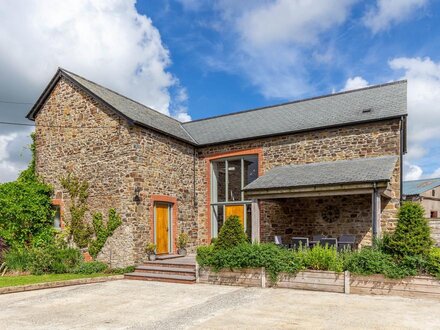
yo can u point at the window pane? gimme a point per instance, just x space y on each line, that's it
249 221
57 218
218 182
250 170
217 219
234 180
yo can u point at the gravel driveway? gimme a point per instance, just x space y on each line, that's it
148 305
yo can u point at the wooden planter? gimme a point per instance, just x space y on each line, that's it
326 281
418 286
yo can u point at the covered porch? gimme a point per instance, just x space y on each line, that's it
328 199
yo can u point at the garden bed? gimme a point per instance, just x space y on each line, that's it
12 284
326 281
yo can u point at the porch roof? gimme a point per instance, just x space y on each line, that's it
341 173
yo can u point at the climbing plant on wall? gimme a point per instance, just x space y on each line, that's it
79 230
83 234
103 231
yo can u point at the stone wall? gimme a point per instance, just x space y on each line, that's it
344 143
331 216
75 134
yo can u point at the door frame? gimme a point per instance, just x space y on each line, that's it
174 216
170 225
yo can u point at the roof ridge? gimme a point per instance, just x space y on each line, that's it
420 180
119 94
341 160
402 81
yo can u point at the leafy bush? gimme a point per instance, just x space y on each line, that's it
246 255
119 271
433 264
25 207
40 260
231 234
3 248
368 261
90 268
413 235
321 258
182 240
17 259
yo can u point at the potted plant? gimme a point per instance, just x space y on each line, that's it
150 249
182 242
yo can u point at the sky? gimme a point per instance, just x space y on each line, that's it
193 59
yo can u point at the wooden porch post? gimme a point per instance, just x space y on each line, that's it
255 220
376 213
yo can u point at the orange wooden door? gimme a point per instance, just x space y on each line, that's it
237 210
162 228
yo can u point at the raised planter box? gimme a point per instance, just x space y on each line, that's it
240 277
312 280
417 287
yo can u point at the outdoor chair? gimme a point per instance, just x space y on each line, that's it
300 242
346 242
315 240
330 242
279 242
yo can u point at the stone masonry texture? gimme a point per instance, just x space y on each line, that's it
77 134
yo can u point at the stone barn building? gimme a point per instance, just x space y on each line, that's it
329 165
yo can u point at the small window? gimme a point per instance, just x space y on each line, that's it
57 218
433 192
434 214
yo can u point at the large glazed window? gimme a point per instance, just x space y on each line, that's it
228 177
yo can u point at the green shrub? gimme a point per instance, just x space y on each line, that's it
433 262
413 235
41 260
17 259
368 261
231 234
25 207
247 255
321 258
51 259
119 271
91 268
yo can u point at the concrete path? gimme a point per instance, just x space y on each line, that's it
149 305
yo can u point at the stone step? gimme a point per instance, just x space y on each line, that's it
169 264
166 270
168 256
186 279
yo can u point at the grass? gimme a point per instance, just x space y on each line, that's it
6 281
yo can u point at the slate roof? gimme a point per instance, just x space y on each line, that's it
418 187
132 110
383 101
357 106
361 170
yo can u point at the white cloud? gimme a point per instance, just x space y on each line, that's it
423 75
13 154
423 96
275 40
413 172
355 83
435 174
388 12
106 41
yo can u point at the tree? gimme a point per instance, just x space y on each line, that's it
413 235
231 234
25 207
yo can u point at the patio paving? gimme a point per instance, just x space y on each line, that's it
149 305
